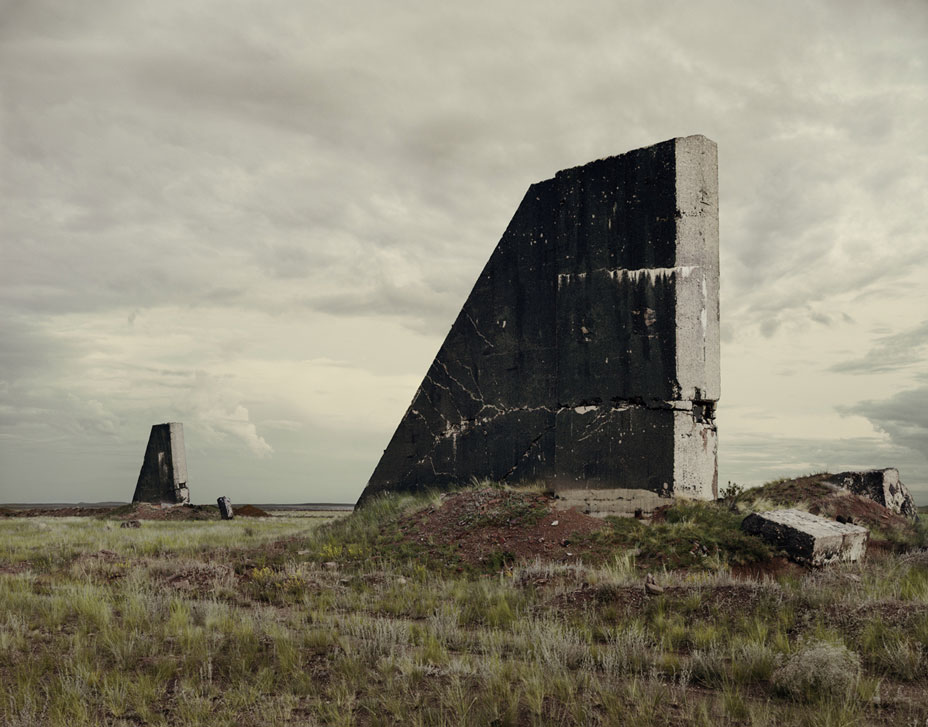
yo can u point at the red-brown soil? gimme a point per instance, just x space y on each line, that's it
831 501
482 524
136 511
55 512
146 511
250 511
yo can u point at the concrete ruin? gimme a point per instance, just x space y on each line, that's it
163 478
225 508
587 354
809 539
881 486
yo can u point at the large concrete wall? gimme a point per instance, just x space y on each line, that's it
587 354
163 477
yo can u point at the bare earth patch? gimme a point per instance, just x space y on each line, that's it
514 525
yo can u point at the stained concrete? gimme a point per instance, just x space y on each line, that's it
163 477
809 539
225 508
882 486
587 354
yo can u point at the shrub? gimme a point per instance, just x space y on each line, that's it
818 671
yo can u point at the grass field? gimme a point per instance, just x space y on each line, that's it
317 621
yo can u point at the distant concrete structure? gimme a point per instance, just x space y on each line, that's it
881 486
809 539
225 508
163 477
587 354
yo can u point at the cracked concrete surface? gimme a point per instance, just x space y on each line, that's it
586 355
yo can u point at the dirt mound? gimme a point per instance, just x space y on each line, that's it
494 527
830 501
859 510
250 511
147 511
56 512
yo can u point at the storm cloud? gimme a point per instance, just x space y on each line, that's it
203 206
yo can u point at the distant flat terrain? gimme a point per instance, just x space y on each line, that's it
315 506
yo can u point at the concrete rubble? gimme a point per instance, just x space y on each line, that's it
809 539
587 354
163 477
881 486
225 508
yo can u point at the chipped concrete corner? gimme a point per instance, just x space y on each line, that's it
882 486
587 354
163 477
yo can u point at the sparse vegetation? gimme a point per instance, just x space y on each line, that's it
812 493
366 620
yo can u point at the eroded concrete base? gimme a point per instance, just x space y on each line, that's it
606 502
809 539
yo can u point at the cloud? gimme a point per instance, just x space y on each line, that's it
891 353
904 417
211 406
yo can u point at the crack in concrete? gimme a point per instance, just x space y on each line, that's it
468 424
527 452
453 429
479 332
432 404
452 378
596 426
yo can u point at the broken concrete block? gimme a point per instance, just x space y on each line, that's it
587 354
881 486
807 538
225 508
163 477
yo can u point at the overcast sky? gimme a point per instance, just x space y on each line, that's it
261 218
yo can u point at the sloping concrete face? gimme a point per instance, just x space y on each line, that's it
163 477
587 354
881 486
807 538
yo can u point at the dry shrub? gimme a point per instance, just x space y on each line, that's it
818 670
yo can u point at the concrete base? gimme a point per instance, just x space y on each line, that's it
613 501
882 486
809 539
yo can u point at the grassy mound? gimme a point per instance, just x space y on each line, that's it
485 529
482 530
813 494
